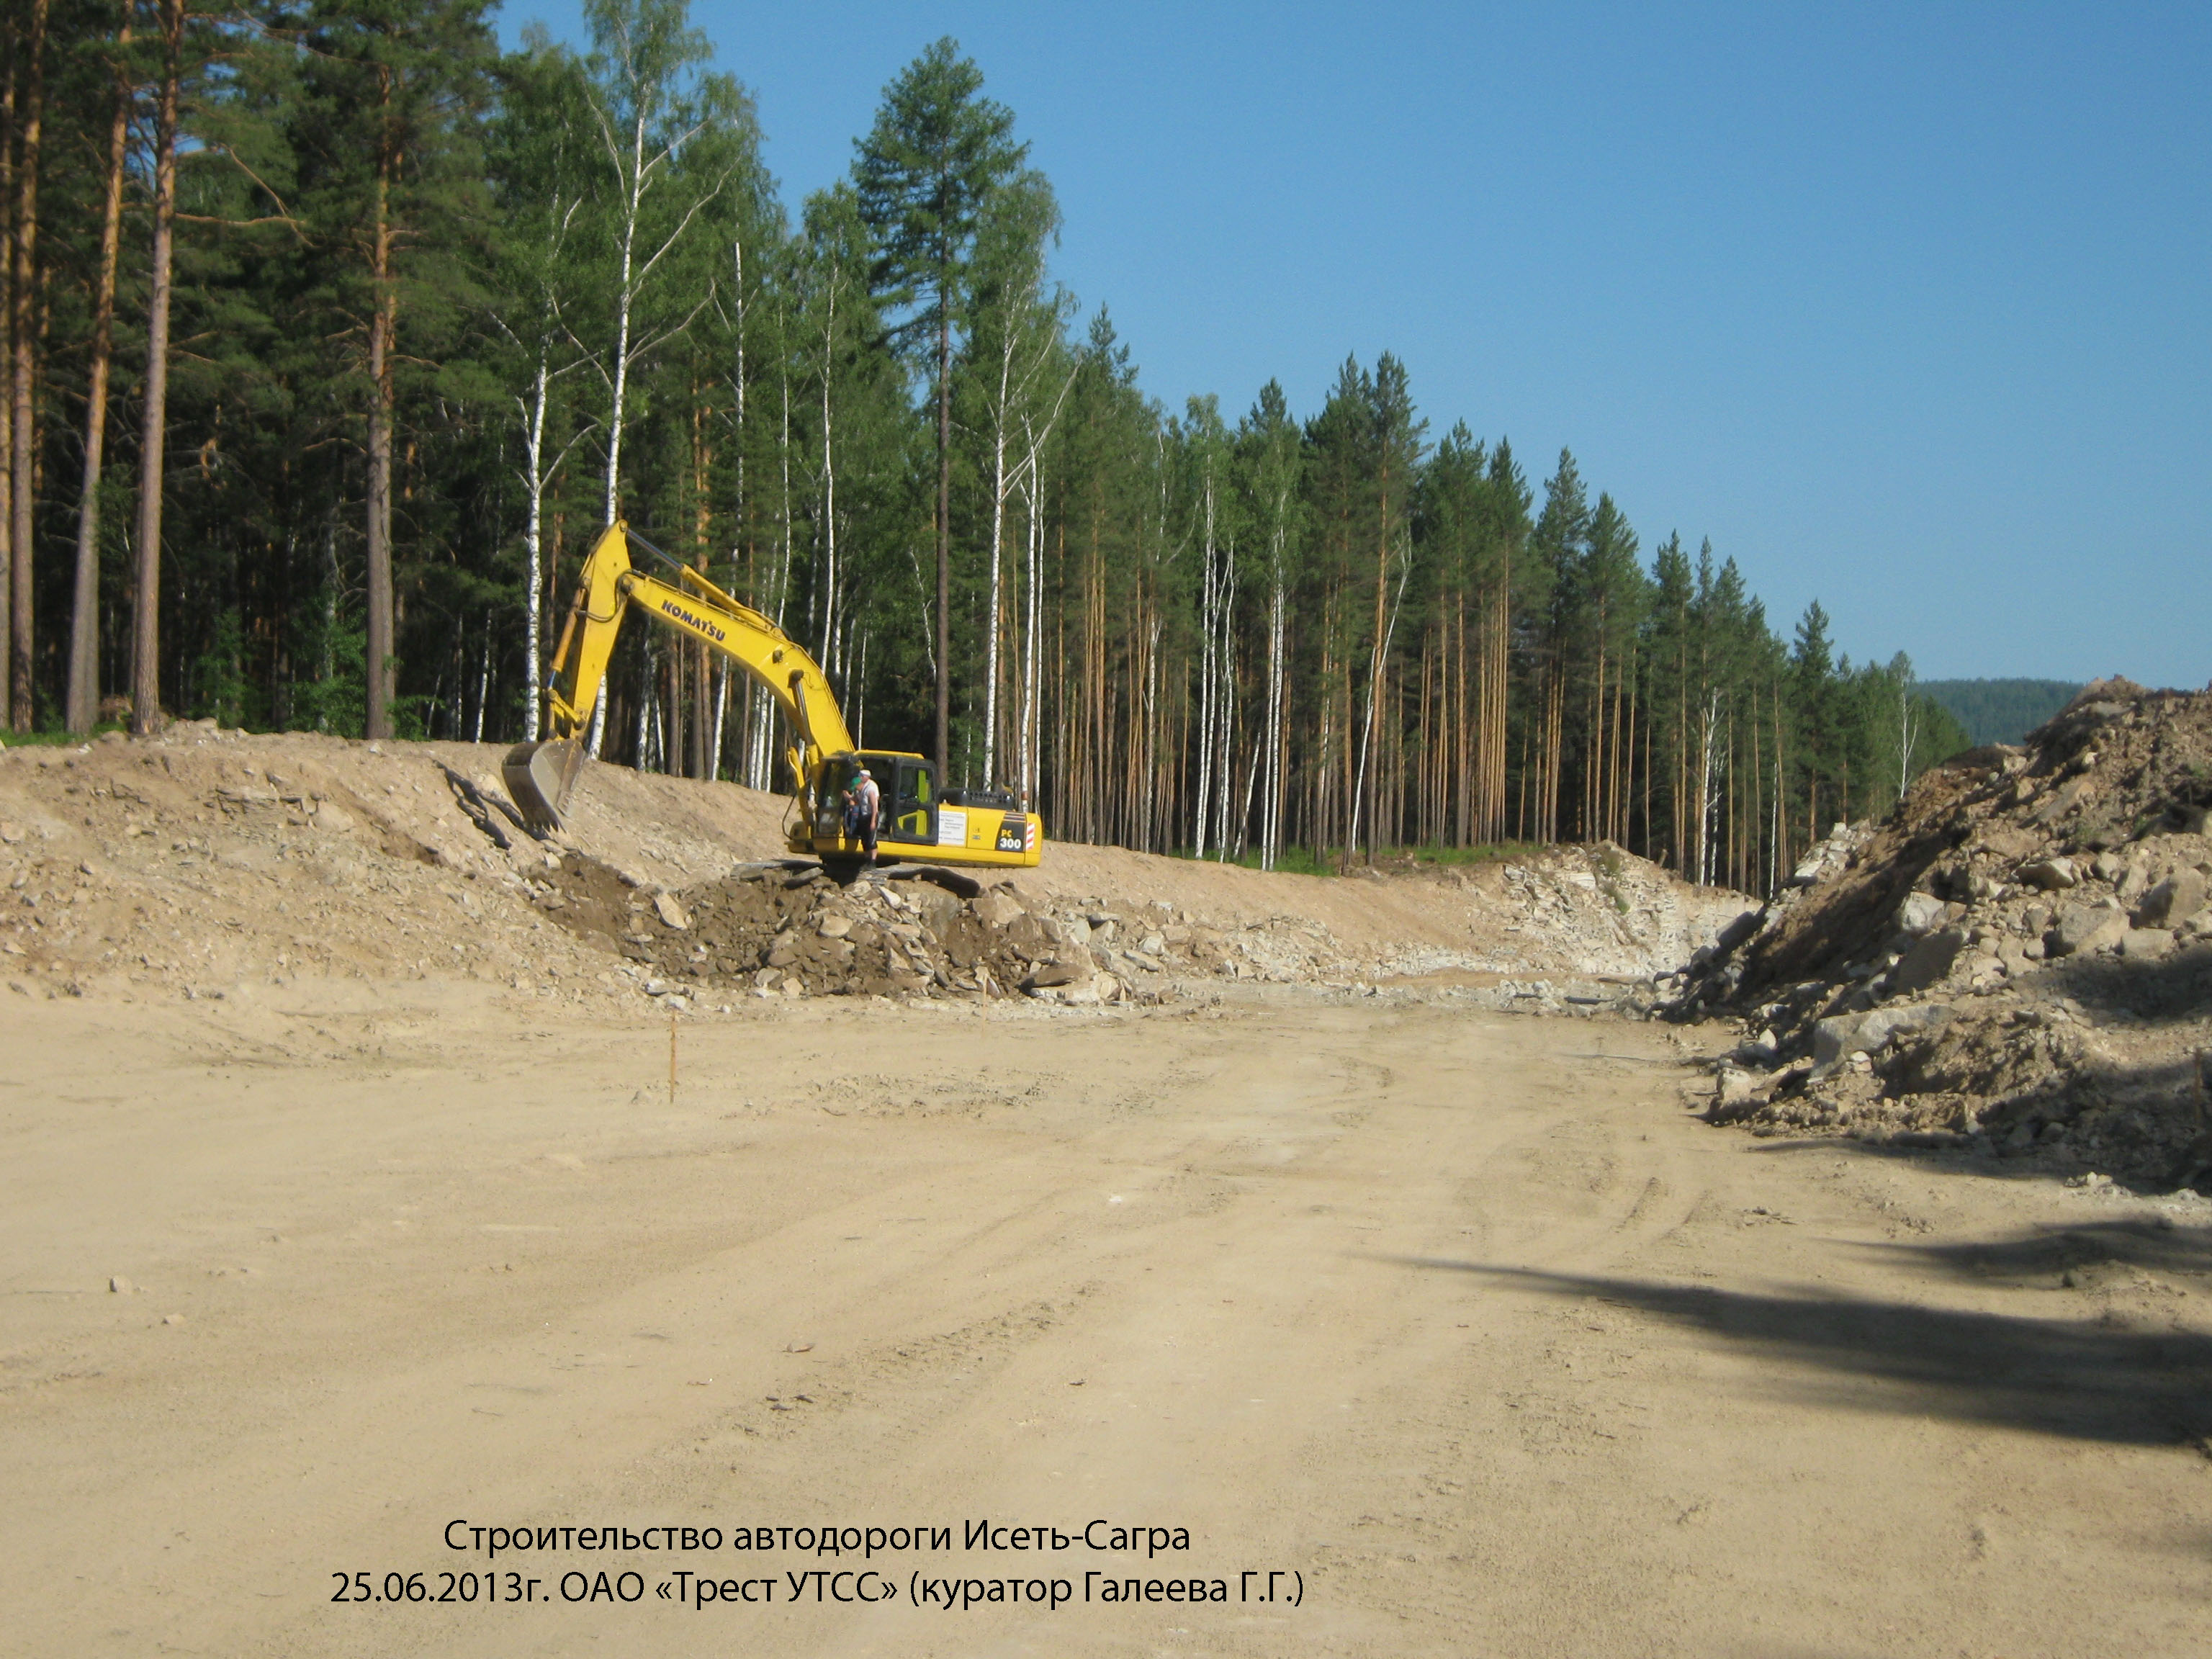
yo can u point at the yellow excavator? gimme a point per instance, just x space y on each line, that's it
917 822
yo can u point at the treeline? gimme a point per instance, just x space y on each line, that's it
333 335
2001 711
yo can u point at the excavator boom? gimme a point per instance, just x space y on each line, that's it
821 757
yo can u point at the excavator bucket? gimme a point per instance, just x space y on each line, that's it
539 776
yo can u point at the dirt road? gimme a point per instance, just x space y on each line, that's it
1459 1321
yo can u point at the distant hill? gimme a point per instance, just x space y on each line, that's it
2000 711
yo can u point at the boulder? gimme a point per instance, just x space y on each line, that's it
2086 927
2005 841
1046 976
834 926
1920 912
2173 901
1928 961
2061 801
671 913
1761 1051
2146 944
2051 875
998 908
1839 1037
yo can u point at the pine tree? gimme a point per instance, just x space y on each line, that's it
1559 544
1812 668
82 699
937 152
393 92
1269 467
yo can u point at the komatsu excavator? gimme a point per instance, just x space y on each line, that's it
917 822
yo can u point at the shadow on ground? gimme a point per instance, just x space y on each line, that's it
2144 1166
2082 1381
2049 1254
2176 987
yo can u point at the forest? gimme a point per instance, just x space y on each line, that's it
2001 711
334 333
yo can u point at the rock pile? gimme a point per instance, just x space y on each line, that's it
790 930
2019 960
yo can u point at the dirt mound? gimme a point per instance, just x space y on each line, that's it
789 930
2019 960
208 863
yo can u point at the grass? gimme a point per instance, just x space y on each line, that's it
57 738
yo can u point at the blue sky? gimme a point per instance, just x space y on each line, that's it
1906 308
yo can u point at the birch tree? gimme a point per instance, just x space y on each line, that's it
1270 476
648 100
542 188
1015 328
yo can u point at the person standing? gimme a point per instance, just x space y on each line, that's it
867 807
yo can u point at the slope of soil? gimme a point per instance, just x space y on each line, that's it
2019 961
208 863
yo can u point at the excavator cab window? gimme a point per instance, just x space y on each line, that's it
913 804
830 803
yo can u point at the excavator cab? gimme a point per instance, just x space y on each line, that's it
910 799
908 784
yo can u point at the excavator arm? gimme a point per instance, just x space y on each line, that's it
541 776
971 827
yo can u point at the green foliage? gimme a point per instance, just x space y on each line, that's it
1290 641
2000 711
335 699
222 691
937 154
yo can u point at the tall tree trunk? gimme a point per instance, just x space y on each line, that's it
146 602
23 369
828 587
998 435
1374 724
380 665
8 47
483 682
943 528
82 703
533 534
624 296
700 756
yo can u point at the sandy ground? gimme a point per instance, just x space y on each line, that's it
1457 1320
